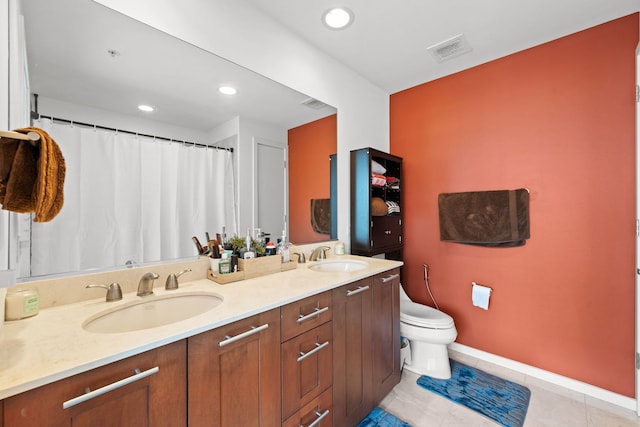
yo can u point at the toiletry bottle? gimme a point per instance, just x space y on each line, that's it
248 252
283 248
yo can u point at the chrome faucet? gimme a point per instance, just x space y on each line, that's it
319 253
145 287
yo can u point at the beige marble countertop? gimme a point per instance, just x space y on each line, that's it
53 345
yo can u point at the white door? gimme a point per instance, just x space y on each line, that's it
271 188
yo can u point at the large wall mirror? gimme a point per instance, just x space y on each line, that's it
197 154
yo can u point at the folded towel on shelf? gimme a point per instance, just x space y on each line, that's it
321 215
486 218
377 168
393 183
32 176
378 180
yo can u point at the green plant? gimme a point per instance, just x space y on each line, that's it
239 243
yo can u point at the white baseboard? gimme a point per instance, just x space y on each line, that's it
571 384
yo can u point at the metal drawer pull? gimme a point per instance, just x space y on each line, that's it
253 330
357 291
389 278
316 312
318 347
317 420
106 389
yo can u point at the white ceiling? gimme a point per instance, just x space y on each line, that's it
67 50
388 39
67 43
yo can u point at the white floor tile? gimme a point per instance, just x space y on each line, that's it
550 405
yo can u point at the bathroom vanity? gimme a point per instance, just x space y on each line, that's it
294 348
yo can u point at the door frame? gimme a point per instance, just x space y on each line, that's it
637 264
258 141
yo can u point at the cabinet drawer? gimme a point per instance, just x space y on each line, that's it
306 314
146 389
318 411
307 367
386 231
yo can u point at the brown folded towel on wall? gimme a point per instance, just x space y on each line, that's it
487 218
321 215
32 176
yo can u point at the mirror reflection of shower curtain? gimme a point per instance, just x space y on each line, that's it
131 198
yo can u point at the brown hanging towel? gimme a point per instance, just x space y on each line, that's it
321 215
32 176
486 218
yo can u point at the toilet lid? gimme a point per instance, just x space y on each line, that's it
425 316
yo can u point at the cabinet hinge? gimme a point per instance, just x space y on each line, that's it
637 361
637 93
372 243
637 227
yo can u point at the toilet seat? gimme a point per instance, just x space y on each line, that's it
424 316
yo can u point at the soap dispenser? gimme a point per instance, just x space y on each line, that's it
283 248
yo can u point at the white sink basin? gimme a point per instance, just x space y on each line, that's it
151 312
338 266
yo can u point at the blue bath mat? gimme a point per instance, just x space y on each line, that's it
500 400
378 417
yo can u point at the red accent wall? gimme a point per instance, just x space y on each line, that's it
310 146
558 119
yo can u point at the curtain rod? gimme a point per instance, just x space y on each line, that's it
162 138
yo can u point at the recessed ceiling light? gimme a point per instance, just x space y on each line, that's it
337 18
228 90
146 108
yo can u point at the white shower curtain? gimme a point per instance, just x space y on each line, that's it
131 199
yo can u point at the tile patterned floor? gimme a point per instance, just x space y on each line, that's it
550 405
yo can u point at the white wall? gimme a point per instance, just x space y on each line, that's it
98 116
238 32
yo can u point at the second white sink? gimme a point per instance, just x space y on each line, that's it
151 312
338 266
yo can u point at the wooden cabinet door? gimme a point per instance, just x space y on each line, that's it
153 394
306 368
234 374
386 233
386 332
352 353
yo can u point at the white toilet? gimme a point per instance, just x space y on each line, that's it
429 331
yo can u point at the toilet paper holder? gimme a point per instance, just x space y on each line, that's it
476 283
480 295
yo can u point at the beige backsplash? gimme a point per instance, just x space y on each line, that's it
72 289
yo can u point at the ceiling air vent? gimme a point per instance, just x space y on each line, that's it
449 49
314 104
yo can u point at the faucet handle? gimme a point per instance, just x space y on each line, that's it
114 291
323 252
172 280
301 258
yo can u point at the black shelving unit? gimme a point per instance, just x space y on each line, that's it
375 234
